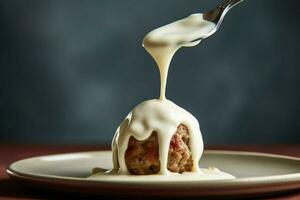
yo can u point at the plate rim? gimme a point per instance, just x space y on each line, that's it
240 186
262 179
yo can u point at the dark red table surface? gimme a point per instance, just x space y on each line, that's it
12 152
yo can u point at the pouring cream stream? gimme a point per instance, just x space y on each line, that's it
162 43
162 115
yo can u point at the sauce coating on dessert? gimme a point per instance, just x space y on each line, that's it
161 115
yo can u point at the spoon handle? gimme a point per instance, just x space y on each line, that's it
229 4
217 14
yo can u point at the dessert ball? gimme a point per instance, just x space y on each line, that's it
142 157
157 136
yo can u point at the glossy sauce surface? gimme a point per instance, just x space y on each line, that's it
162 115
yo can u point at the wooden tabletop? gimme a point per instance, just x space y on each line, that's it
12 152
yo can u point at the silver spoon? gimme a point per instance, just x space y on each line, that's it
216 16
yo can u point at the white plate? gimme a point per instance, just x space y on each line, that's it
257 174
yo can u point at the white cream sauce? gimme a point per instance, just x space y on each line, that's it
203 175
162 115
163 42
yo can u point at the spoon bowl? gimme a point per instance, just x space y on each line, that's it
216 16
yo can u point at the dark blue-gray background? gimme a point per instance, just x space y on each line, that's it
70 71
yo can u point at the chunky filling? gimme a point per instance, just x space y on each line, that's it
142 157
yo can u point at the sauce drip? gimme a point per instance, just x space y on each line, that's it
162 115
